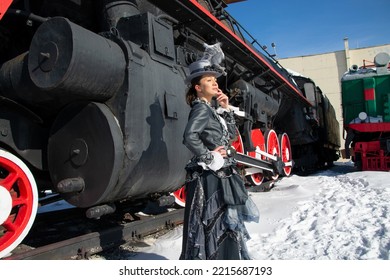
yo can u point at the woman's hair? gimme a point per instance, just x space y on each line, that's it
191 94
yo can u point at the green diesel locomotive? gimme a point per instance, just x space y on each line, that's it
366 114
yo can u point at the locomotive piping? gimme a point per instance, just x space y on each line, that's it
28 15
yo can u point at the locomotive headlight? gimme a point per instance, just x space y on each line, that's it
362 116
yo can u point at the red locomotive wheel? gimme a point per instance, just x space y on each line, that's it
237 143
180 196
18 202
273 146
285 149
258 141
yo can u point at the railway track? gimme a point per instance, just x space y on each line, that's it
92 237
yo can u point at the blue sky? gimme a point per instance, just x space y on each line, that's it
304 27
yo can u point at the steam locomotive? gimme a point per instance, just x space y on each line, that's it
93 106
366 114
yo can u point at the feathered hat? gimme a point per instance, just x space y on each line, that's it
208 64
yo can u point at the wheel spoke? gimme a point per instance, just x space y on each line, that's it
9 226
19 201
237 143
259 144
273 146
9 181
285 148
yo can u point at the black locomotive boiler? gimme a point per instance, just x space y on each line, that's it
93 108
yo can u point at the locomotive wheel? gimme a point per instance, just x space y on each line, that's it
180 196
272 146
18 202
237 143
258 141
285 150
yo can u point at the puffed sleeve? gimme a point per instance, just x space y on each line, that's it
197 122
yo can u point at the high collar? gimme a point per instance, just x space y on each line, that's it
202 100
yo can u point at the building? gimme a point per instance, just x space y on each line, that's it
327 69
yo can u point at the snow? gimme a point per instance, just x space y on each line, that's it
337 214
308 225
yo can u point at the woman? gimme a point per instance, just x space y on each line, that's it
217 203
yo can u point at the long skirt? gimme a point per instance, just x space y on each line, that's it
212 228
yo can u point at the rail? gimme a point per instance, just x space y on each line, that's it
82 247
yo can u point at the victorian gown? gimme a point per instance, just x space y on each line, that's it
217 203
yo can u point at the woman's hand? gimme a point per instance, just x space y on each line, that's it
222 99
221 150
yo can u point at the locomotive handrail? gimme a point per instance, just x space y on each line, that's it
259 58
225 15
239 47
28 15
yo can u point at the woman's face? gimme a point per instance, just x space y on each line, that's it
208 87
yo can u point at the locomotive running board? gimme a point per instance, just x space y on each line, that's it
254 162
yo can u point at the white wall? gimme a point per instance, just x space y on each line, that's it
327 69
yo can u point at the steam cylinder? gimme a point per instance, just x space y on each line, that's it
15 82
65 57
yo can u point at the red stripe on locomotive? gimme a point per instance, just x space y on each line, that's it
4 5
369 94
